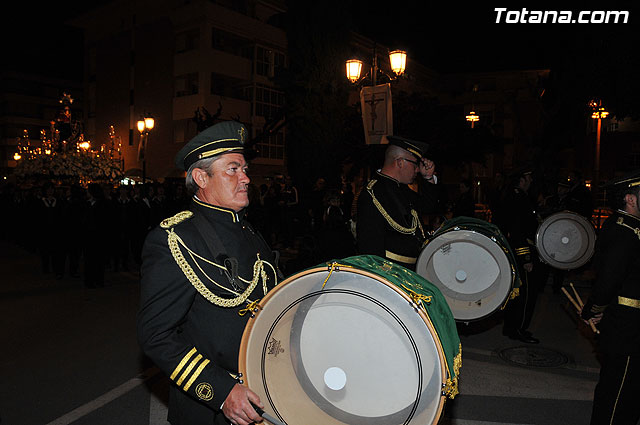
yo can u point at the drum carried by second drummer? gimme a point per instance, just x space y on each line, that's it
472 264
357 341
566 240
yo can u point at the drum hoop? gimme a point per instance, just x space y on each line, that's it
444 371
586 225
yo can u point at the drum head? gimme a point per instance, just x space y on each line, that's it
355 352
565 240
472 271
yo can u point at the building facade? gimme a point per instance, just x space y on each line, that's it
174 60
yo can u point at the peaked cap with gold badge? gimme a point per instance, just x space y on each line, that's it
220 138
628 181
416 148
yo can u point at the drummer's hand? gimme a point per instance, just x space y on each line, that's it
237 406
594 319
427 168
528 267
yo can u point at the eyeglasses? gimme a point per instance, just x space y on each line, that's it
408 160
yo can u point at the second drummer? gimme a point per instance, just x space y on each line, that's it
388 217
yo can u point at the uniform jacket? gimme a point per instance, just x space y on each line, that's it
519 224
617 264
192 340
375 234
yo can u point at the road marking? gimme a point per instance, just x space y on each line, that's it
157 405
105 398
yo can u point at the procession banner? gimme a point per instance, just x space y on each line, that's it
377 114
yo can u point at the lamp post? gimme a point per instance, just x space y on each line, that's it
473 117
377 94
145 125
598 113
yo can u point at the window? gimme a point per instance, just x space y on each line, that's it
184 130
231 43
268 102
187 40
186 85
272 147
268 61
226 86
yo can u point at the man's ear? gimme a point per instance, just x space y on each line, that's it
631 200
200 177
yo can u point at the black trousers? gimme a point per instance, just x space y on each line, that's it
519 311
615 398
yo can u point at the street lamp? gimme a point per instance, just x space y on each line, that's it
145 125
598 113
397 61
472 117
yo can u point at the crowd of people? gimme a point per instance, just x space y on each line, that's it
83 232
102 227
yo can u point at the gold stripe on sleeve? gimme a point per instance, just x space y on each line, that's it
183 362
629 302
196 374
186 372
397 257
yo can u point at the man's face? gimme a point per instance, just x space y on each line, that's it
525 182
226 183
409 167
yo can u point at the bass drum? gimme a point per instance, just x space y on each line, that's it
359 341
565 240
472 264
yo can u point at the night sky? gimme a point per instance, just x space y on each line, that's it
451 36
444 35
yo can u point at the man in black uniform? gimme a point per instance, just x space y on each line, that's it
519 225
388 216
615 299
201 271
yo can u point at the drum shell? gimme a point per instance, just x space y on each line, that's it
302 401
565 240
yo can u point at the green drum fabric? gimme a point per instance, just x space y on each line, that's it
428 296
482 227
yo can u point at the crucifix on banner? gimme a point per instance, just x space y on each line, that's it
377 113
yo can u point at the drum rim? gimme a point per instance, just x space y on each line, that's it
589 230
446 290
242 356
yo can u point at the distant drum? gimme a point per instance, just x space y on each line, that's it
565 240
471 263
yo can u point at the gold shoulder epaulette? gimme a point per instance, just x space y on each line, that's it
371 183
170 222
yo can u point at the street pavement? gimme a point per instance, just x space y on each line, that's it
69 356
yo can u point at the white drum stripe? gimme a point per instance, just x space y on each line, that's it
108 397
